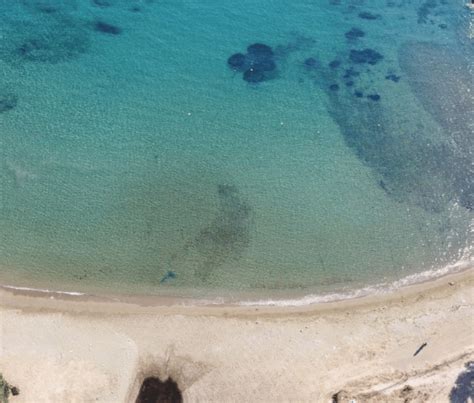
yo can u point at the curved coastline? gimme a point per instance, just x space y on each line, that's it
425 278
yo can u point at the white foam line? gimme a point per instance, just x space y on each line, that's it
381 288
43 290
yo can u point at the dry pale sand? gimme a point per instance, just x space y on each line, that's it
71 350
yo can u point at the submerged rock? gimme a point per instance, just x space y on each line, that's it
101 3
237 62
366 15
258 61
367 55
392 77
106 28
7 102
260 51
47 8
374 97
335 64
310 63
350 72
265 65
254 75
354 33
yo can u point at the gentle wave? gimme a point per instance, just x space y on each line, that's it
43 290
378 289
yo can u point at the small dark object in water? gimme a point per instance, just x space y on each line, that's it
225 190
369 56
358 94
7 102
335 64
365 15
237 62
334 87
350 83
383 185
254 76
311 63
392 77
135 9
374 97
350 73
47 9
101 3
463 389
260 51
420 348
354 33
170 275
106 28
29 46
155 391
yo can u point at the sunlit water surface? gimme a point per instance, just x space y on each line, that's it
136 159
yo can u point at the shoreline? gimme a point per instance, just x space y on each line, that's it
31 299
96 349
280 301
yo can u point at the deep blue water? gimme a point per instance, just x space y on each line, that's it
198 148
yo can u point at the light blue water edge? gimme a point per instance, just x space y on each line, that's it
222 149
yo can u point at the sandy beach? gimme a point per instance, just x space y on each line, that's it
58 349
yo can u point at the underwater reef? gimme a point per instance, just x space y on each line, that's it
447 97
46 40
8 101
257 64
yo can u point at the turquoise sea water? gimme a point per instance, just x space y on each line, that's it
135 159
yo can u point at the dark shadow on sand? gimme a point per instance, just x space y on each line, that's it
155 391
463 389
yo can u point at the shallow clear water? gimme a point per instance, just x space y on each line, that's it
135 159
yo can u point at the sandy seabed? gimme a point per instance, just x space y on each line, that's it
73 349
